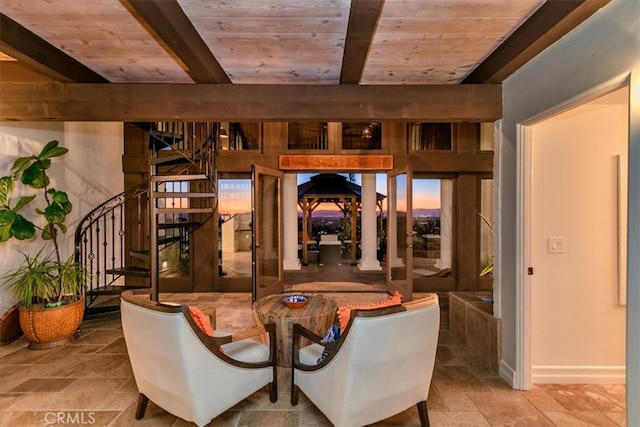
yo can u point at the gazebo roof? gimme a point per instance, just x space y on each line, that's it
330 187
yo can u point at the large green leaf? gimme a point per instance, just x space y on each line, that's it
47 232
55 213
47 148
22 228
6 221
59 196
24 201
34 177
21 163
67 207
54 152
6 188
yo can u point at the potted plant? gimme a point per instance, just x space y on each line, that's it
49 288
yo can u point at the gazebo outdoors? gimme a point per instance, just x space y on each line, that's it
336 189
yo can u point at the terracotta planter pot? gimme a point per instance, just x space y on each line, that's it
51 327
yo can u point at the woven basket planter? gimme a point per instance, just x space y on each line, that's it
51 327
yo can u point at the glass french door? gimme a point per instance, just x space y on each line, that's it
267 232
400 232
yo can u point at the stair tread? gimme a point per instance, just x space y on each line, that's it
162 136
168 159
129 271
172 225
167 240
114 289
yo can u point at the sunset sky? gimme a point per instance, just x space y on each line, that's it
235 194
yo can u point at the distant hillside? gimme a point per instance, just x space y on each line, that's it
426 213
417 213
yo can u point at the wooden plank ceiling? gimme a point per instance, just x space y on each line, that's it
283 42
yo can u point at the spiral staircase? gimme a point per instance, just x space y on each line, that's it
144 235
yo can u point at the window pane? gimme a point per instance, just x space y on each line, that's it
307 136
173 231
361 136
432 227
430 136
234 233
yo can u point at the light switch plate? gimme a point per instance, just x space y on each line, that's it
557 245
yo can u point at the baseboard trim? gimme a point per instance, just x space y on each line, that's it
579 374
508 374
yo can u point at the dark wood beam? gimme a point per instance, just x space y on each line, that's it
167 19
271 103
547 25
363 19
28 48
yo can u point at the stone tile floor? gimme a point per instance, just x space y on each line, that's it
90 382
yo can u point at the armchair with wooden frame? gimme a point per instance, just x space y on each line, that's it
186 372
381 364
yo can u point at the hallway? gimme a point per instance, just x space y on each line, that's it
92 377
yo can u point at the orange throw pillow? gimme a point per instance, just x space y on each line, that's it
344 313
201 320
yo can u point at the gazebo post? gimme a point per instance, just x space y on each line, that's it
304 207
353 209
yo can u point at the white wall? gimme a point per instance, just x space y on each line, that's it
577 326
602 48
90 173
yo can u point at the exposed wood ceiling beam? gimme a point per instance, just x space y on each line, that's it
548 24
170 23
23 45
150 102
363 19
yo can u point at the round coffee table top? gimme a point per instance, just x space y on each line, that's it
272 307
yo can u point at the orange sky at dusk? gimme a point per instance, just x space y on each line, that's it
235 194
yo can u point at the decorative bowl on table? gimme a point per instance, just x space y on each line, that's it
295 301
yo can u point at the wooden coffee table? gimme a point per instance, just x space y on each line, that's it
317 315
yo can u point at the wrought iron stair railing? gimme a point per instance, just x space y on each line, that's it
119 241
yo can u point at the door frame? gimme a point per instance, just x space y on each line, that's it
278 285
522 377
407 290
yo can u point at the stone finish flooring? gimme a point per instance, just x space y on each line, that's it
90 382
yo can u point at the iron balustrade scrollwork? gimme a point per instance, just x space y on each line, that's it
104 236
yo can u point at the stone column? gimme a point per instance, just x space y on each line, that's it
392 228
368 224
290 221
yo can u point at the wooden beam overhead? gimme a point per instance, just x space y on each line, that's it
363 19
274 103
25 46
167 19
549 23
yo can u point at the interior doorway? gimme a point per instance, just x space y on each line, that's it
574 244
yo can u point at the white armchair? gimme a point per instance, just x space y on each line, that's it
186 372
380 366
